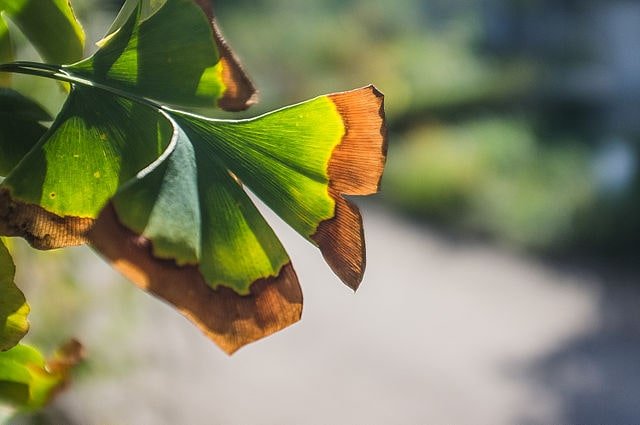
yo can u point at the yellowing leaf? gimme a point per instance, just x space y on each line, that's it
28 381
13 306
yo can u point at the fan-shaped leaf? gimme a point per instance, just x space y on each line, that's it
152 55
154 189
301 159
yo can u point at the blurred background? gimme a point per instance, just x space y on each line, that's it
502 282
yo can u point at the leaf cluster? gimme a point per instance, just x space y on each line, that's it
159 191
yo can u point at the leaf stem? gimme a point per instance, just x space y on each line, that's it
57 72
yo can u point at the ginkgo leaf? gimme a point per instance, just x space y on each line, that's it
13 306
155 190
50 25
28 381
301 159
153 56
65 180
185 222
229 319
184 204
185 231
20 127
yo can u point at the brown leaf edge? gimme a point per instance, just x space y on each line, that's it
68 356
229 319
42 229
355 168
240 92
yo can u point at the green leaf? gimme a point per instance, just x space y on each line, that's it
105 145
183 69
239 92
50 25
20 127
155 190
183 226
301 159
194 212
13 306
28 381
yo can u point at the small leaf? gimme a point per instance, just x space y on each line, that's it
183 69
50 25
28 382
20 127
13 306
240 92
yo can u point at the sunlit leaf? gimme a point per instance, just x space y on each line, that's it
229 319
185 204
168 54
28 381
183 225
50 25
301 159
239 92
13 306
187 232
157 190
104 146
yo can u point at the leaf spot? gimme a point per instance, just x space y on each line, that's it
96 174
52 195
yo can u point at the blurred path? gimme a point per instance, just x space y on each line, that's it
440 332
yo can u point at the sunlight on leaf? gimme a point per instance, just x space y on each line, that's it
301 159
158 191
50 25
28 381
13 306
184 69
239 92
105 146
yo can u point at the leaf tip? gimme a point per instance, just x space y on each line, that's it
355 168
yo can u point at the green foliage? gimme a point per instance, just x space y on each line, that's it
24 380
493 177
157 190
28 380
50 25
13 306
20 127
183 69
